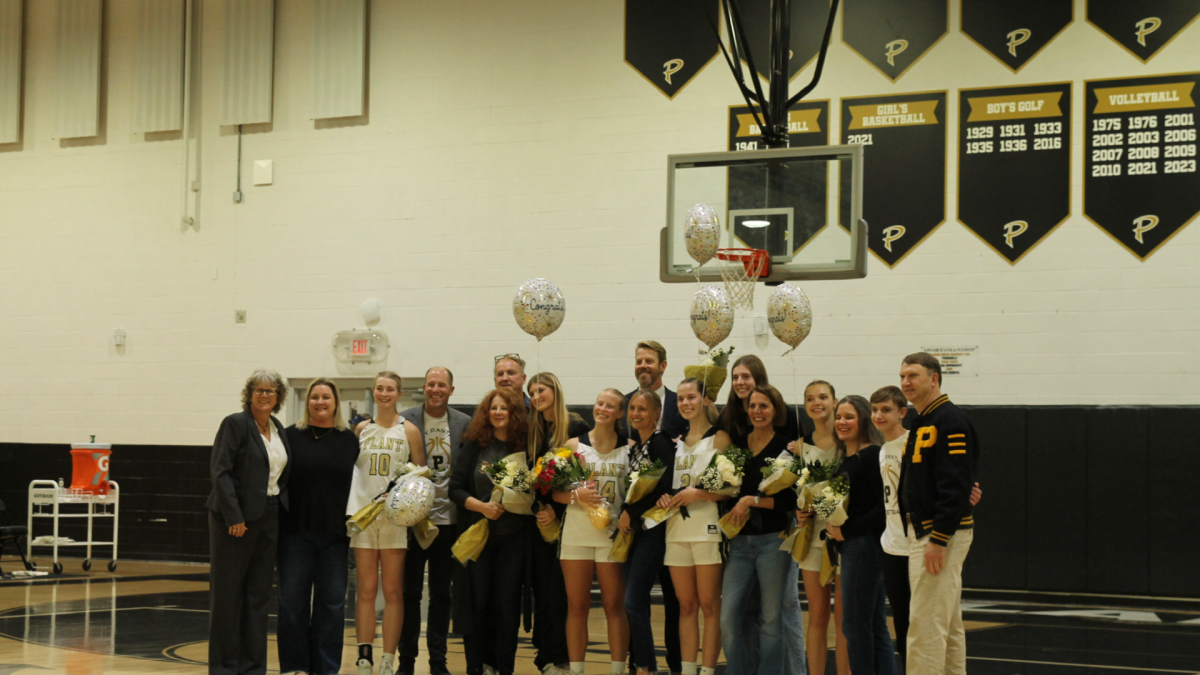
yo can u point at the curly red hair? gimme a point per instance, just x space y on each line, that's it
481 431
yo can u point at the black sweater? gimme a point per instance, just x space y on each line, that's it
663 449
865 510
322 467
766 521
468 480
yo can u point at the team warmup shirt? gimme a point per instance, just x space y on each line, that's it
438 457
701 523
380 451
609 471
893 539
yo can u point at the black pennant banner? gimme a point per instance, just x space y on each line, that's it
1142 27
1014 31
670 41
892 34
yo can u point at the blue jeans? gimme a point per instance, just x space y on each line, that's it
864 617
644 566
312 601
756 561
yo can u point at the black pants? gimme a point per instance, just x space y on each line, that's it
497 580
437 623
549 604
895 583
644 566
241 571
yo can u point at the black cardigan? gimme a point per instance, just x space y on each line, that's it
866 512
662 449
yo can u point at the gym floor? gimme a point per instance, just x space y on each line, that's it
153 617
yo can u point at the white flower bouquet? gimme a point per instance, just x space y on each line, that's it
643 481
781 473
513 484
833 500
724 473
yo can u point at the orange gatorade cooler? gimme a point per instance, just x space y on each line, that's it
91 467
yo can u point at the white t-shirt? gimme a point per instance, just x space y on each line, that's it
814 454
380 450
276 459
893 539
701 523
438 454
609 471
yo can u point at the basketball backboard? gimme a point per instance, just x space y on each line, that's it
784 201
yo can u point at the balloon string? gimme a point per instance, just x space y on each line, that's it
797 396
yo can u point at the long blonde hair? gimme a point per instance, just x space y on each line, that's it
556 433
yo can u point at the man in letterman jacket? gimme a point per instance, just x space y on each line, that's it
937 472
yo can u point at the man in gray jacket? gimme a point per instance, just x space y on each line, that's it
441 431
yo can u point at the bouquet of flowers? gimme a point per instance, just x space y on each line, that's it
564 471
724 473
783 472
813 478
642 482
711 369
830 505
512 482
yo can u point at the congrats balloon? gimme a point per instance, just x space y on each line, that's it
712 315
410 501
703 233
789 315
539 307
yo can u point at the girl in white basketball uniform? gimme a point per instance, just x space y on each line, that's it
585 548
819 403
694 542
384 443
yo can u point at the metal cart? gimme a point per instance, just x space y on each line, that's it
47 499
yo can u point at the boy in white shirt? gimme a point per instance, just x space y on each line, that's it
889 407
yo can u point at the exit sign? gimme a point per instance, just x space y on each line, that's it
360 348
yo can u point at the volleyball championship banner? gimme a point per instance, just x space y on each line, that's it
1140 183
1014 164
892 35
904 168
805 185
1014 31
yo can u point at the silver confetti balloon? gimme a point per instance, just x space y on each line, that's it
539 307
703 233
789 315
409 502
712 315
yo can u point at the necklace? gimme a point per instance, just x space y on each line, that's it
317 436
262 427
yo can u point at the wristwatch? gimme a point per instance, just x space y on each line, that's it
756 500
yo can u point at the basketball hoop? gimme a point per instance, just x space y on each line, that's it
749 265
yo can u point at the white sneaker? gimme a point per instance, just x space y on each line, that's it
387 664
488 670
364 667
552 669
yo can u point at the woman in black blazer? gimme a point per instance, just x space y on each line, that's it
249 469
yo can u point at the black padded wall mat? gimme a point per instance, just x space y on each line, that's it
1097 499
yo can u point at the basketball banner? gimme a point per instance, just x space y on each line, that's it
670 41
893 34
1014 164
904 168
1014 31
799 214
1143 27
807 29
1139 174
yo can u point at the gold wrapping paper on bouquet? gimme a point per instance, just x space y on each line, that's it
730 528
620 548
656 516
363 518
777 482
470 543
827 567
807 494
797 541
712 377
599 516
553 530
644 485
425 532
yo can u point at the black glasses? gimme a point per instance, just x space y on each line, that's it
512 357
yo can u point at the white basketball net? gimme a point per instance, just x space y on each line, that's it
739 284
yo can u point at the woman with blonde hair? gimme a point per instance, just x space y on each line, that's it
313 546
550 426
385 443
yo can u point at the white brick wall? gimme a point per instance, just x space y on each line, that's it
506 141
